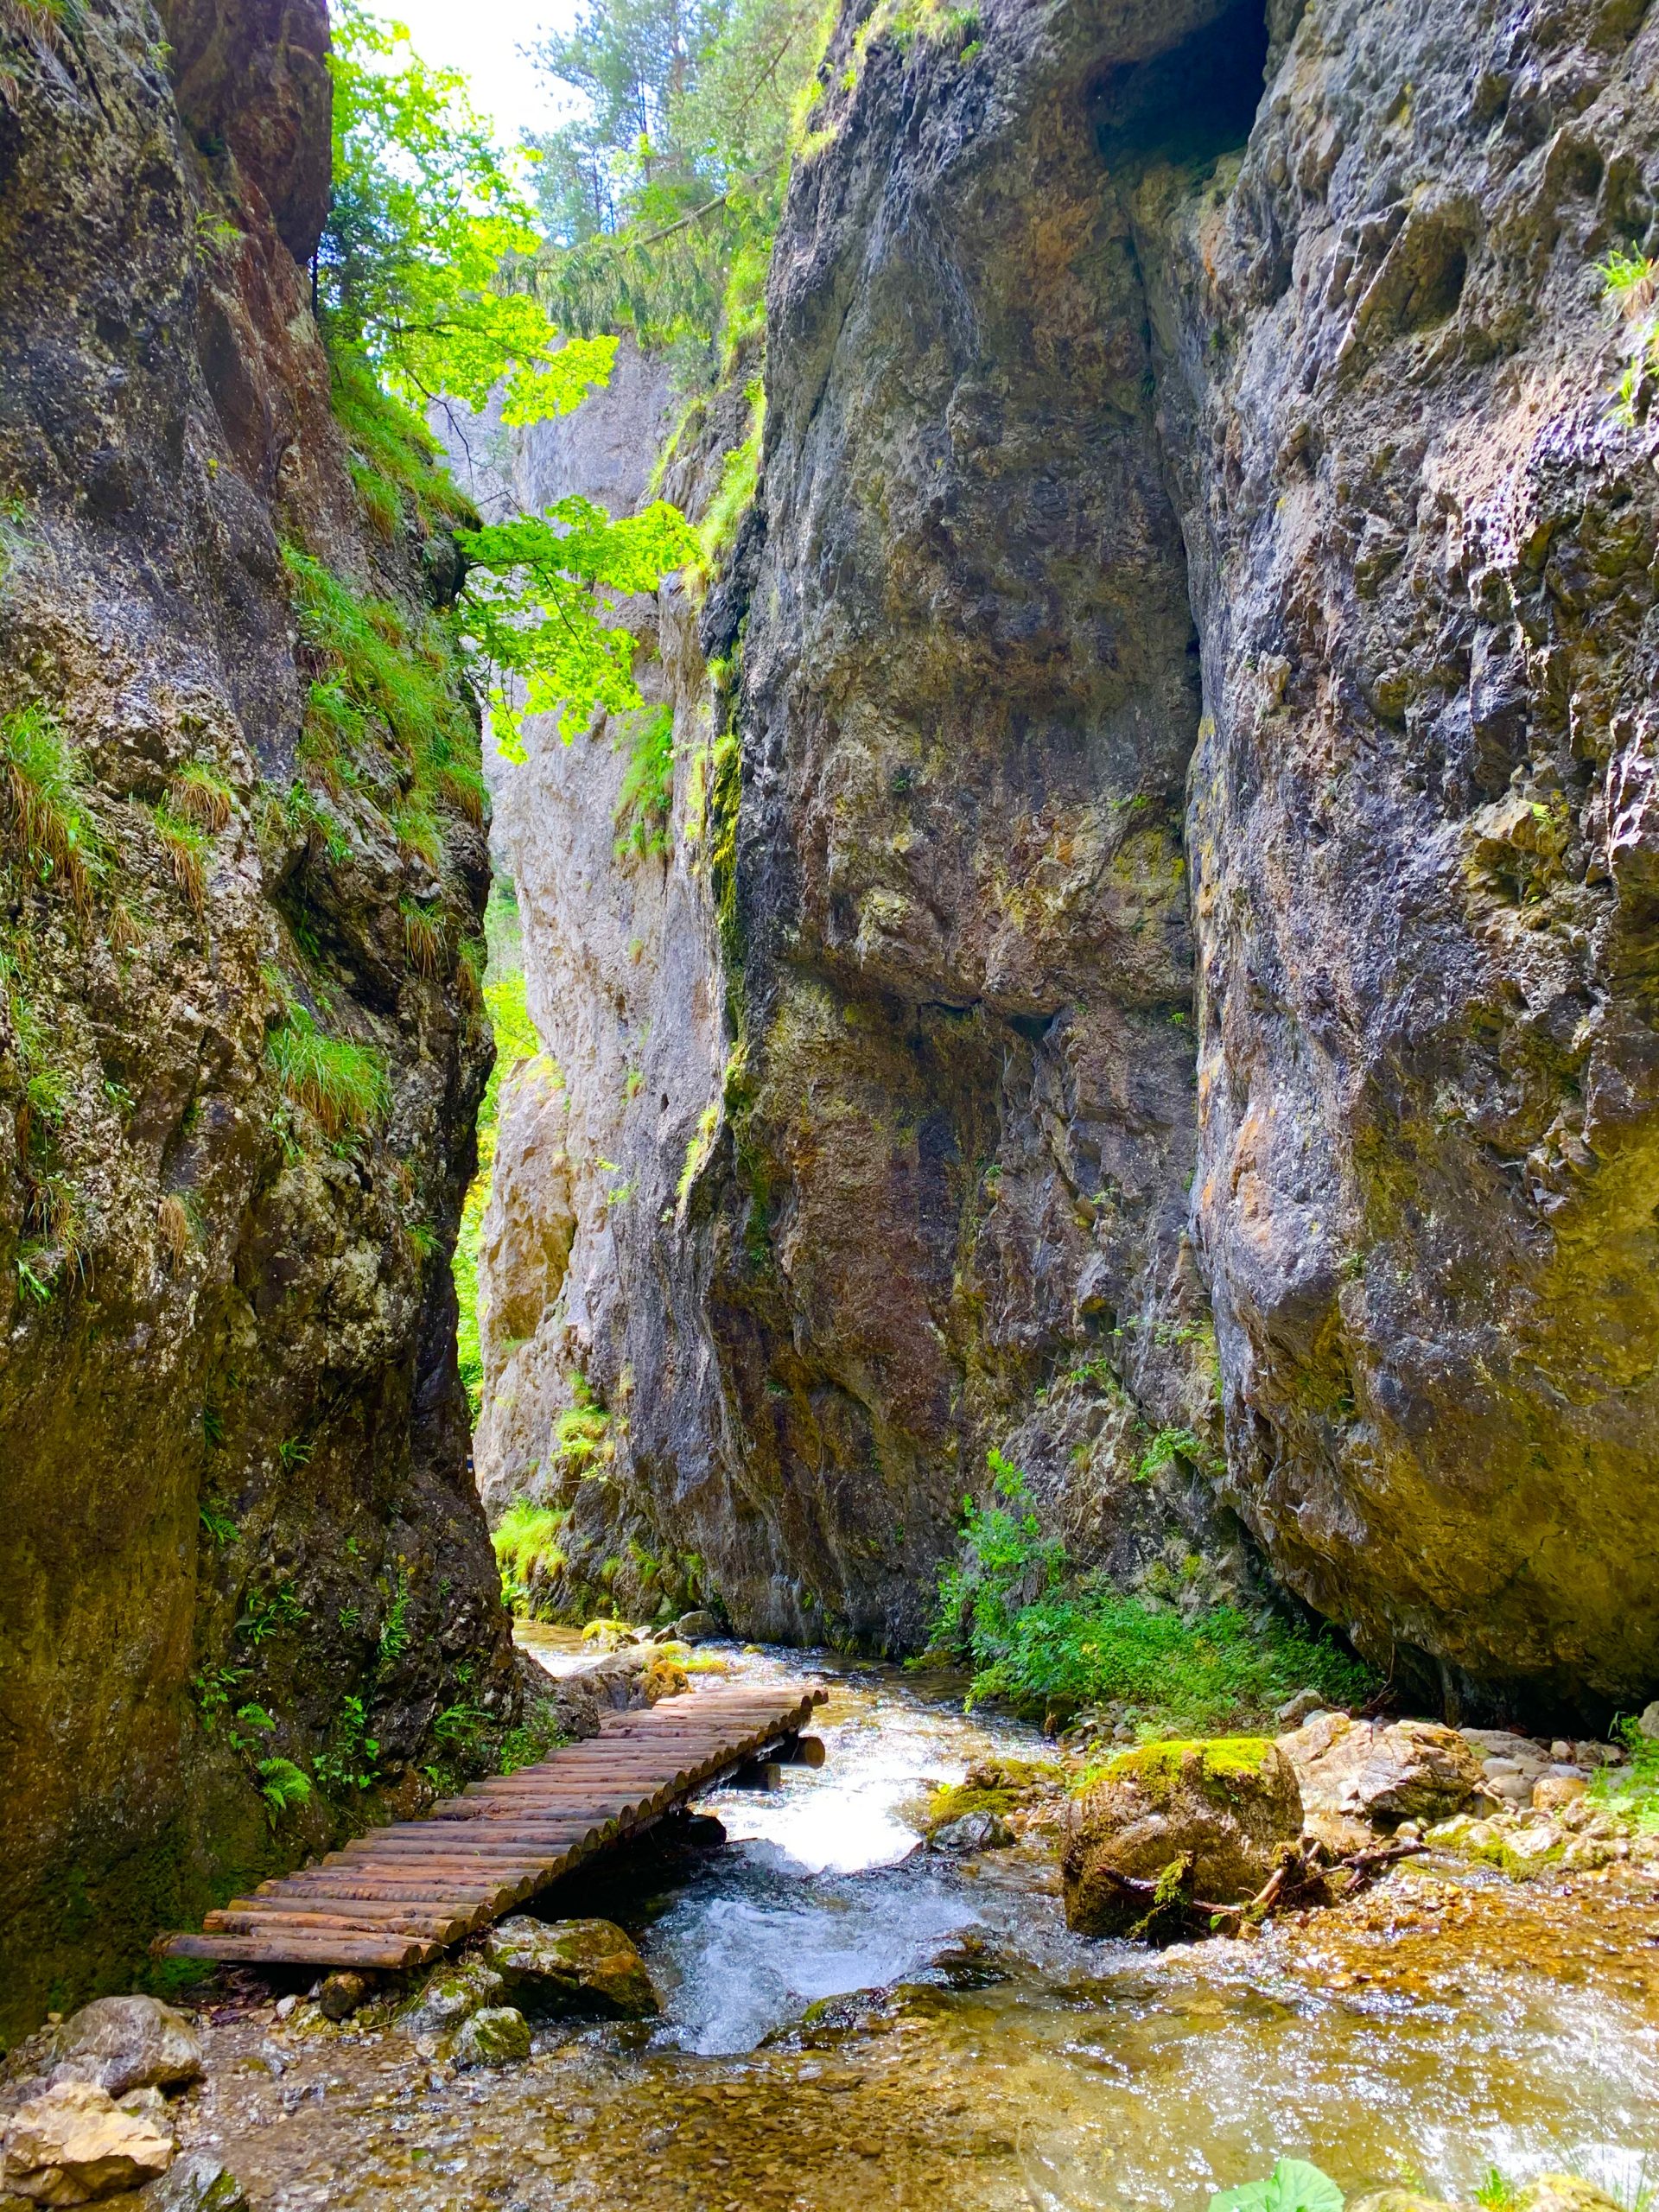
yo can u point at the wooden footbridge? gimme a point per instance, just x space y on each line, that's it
398 1895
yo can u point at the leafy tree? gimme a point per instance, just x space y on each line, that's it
669 188
415 284
427 217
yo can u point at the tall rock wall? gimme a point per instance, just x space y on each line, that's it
237 1523
1161 830
1423 536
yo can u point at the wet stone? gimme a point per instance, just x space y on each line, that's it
129 2043
498 2035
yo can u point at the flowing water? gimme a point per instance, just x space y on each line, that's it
973 2053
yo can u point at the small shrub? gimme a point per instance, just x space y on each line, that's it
344 1086
395 1629
351 1760
739 479
40 781
1043 1640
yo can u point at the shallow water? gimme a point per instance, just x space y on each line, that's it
1449 2027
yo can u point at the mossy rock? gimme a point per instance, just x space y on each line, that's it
1229 1806
998 1787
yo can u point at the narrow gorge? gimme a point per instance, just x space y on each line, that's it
1011 651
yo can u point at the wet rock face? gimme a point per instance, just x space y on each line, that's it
253 80
233 1440
956 922
1422 544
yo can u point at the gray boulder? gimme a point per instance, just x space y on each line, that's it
972 1832
449 1996
698 1627
129 2042
572 1965
199 2182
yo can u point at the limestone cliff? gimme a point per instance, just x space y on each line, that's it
1190 445
237 1084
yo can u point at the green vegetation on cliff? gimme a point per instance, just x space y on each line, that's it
1049 1642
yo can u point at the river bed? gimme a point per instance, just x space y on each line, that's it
1451 2023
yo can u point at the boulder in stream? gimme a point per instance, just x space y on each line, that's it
568 1966
972 1832
449 1996
129 2042
497 2035
74 2143
1229 1804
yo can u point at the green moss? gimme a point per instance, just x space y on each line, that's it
1158 1767
739 479
526 1539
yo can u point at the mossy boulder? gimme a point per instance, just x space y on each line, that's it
496 2035
449 1996
572 1965
998 1787
1229 1804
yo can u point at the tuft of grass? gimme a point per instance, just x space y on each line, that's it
527 1538
644 802
416 830
344 1086
40 781
1044 1641
422 938
394 456
739 479
173 1231
48 21
186 847
200 794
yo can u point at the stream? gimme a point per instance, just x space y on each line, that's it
1454 2023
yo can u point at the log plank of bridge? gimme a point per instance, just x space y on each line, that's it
399 1897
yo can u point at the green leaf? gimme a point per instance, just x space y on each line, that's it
1293 2186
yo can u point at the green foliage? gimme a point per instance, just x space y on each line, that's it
270 1612
217 1522
527 1538
382 666
350 1758
1631 283
41 787
47 21
1042 1641
426 216
1165 1447
644 802
394 457
1293 2186
537 1737
516 1042
1496 2193
394 1629
1631 1792
284 1788
583 1432
344 1086
538 590
740 476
